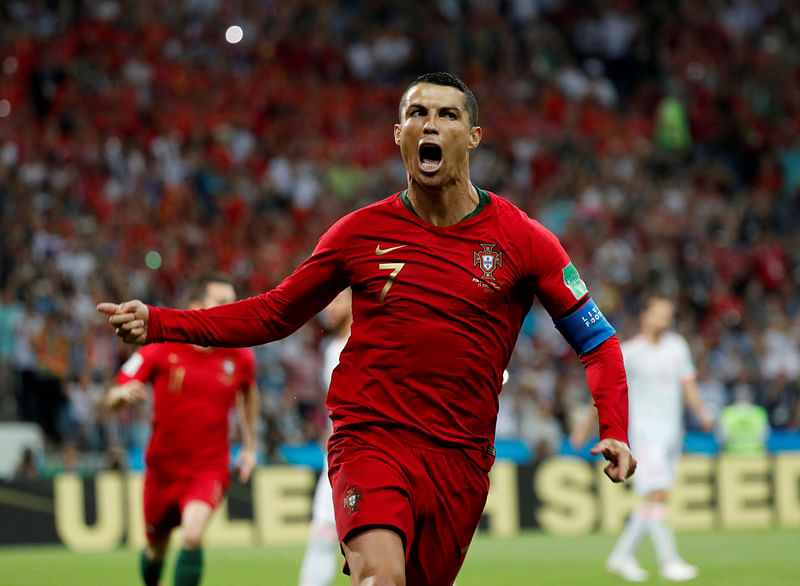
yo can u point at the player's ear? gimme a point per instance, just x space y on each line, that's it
475 135
397 134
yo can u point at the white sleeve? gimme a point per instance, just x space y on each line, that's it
133 364
687 369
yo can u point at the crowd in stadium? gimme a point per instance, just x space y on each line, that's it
659 140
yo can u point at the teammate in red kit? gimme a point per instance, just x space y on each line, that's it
194 389
442 275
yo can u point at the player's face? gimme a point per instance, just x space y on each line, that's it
219 294
434 134
658 316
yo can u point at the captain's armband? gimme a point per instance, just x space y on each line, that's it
585 328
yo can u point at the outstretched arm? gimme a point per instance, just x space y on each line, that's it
583 325
250 322
605 373
129 319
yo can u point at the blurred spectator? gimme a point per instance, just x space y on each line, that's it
11 312
52 349
68 460
27 469
535 409
712 390
83 410
671 129
743 426
273 438
780 369
26 363
116 459
138 150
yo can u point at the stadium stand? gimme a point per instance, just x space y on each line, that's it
138 149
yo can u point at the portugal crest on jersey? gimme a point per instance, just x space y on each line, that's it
352 497
488 260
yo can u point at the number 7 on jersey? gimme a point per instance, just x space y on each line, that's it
395 267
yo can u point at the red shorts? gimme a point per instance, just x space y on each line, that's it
166 496
433 496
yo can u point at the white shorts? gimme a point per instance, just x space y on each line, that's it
322 507
657 464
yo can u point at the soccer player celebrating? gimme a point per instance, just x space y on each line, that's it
661 375
319 562
442 275
187 474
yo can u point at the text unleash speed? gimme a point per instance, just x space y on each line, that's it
561 495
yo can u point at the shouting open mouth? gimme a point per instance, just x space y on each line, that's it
430 157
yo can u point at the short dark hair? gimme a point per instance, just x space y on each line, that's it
196 291
652 298
450 80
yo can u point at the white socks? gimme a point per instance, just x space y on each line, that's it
649 518
661 534
321 557
628 542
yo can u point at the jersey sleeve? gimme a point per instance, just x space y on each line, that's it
139 366
605 374
266 317
557 282
566 298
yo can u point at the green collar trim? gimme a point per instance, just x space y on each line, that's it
483 201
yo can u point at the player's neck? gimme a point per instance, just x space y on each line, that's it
443 206
653 337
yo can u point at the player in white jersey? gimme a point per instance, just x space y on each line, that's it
661 377
319 562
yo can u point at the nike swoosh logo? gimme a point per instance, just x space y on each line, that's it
381 251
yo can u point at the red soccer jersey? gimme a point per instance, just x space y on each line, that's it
193 391
436 314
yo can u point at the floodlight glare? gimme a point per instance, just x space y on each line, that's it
234 34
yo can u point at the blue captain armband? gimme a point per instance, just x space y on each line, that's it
586 328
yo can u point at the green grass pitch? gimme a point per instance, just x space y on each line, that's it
733 558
